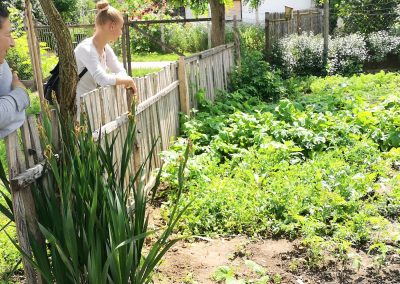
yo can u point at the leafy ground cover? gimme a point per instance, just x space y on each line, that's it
319 165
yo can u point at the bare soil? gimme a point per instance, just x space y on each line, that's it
284 261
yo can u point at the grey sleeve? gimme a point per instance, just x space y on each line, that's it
12 104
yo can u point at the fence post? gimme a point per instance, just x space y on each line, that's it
311 21
123 39
34 52
268 44
128 46
326 31
237 41
183 86
23 208
298 23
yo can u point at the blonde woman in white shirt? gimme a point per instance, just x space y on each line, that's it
97 56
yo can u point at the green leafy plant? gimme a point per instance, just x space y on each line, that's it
255 77
225 274
319 165
18 58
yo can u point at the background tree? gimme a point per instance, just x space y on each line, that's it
68 9
365 16
217 8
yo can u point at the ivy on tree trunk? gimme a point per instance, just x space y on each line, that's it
68 68
217 22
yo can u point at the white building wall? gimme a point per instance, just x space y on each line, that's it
250 14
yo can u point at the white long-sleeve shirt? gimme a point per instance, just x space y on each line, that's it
98 66
13 103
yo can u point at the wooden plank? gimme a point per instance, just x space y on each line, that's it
29 176
202 75
19 207
169 76
159 110
87 109
22 164
124 99
170 106
27 145
117 134
150 122
95 112
11 143
225 67
147 130
220 72
144 118
212 51
114 105
107 106
97 100
210 79
153 99
183 87
192 58
163 83
102 106
120 105
35 138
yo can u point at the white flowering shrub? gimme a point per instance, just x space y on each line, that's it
381 44
347 54
303 55
299 54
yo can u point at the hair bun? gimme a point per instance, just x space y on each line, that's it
102 5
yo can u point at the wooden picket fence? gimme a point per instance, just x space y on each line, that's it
161 98
279 25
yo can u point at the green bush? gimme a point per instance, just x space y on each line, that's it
252 37
255 77
188 37
141 43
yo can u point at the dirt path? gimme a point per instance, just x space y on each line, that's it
281 261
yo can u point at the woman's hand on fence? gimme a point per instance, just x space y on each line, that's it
127 82
133 87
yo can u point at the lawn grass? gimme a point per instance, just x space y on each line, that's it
141 72
154 57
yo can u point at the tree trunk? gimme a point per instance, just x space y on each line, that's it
217 22
68 68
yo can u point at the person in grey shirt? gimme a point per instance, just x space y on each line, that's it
13 97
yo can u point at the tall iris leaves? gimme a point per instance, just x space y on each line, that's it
92 235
